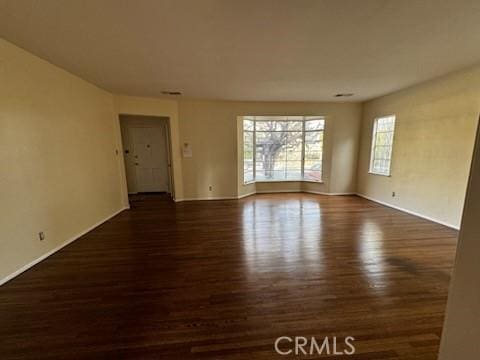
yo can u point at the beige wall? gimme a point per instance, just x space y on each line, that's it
212 129
434 135
59 169
462 327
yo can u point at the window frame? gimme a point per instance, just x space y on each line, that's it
304 119
373 146
254 144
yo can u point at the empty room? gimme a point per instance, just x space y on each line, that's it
239 179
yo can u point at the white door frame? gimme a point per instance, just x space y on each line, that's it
124 159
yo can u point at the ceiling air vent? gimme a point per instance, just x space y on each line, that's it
171 93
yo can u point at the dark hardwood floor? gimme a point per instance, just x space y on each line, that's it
224 279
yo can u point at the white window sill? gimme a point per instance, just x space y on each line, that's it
283 181
379 174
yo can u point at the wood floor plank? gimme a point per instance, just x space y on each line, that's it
224 279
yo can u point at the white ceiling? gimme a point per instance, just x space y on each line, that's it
304 50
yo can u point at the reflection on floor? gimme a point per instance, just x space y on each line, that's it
225 279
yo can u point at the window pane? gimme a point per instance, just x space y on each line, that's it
279 151
265 126
247 156
248 176
269 150
317 124
295 125
313 171
386 123
294 170
313 136
279 126
384 138
293 155
248 142
313 155
261 173
248 125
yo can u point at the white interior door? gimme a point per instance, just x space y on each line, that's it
151 162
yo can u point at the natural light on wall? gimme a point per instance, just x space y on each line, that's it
282 148
382 145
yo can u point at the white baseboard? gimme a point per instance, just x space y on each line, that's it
410 212
329 194
246 195
259 192
208 198
277 191
54 250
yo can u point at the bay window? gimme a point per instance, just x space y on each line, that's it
283 148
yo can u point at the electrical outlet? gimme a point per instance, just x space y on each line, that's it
210 188
393 194
41 235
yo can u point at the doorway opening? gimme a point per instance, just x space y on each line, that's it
147 154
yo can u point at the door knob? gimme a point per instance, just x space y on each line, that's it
136 164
